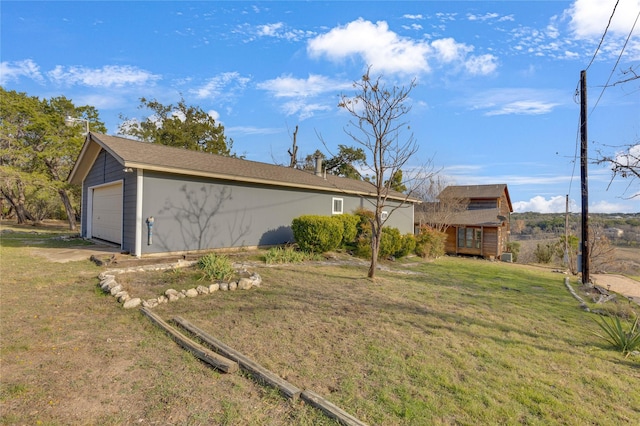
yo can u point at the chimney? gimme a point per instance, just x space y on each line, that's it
318 171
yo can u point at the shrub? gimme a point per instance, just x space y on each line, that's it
621 339
365 217
390 242
430 242
317 234
513 248
544 252
350 227
216 267
407 245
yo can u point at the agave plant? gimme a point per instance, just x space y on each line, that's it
626 341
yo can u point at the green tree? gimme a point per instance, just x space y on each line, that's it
37 150
395 182
180 125
345 162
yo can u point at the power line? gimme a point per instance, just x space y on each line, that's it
616 64
603 35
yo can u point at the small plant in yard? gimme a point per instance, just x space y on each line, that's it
286 255
626 341
216 267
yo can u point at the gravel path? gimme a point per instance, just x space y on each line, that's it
620 284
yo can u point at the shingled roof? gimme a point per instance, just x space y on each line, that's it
490 191
149 156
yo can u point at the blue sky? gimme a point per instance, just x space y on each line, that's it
495 100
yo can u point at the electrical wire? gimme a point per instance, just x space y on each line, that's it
603 35
575 154
616 64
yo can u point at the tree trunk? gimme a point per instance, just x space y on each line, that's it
375 249
17 203
71 214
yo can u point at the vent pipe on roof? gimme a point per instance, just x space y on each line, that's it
318 171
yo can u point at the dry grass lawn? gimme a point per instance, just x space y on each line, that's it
454 341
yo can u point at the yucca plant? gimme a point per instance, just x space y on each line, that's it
626 341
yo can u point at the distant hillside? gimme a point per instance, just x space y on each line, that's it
622 229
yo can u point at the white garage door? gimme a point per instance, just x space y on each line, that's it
106 217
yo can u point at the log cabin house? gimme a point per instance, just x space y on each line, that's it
482 228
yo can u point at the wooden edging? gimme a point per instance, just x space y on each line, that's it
330 409
215 360
286 388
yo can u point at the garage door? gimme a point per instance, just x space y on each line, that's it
106 216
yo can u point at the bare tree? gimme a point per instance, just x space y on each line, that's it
438 209
625 164
377 123
293 151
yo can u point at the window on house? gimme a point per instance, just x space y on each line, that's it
470 237
384 215
337 206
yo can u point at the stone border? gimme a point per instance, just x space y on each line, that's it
109 285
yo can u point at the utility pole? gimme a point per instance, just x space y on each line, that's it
565 259
583 177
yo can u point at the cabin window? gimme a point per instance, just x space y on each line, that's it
470 238
336 208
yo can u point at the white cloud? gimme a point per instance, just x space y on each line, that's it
12 71
389 52
280 31
540 204
448 50
270 29
107 76
289 87
629 158
481 65
589 18
557 204
249 130
514 101
375 44
608 207
302 109
484 17
221 85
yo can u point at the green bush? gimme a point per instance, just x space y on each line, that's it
364 220
216 267
513 248
407 245
350 224
317 234
390 242
544 252
430 242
